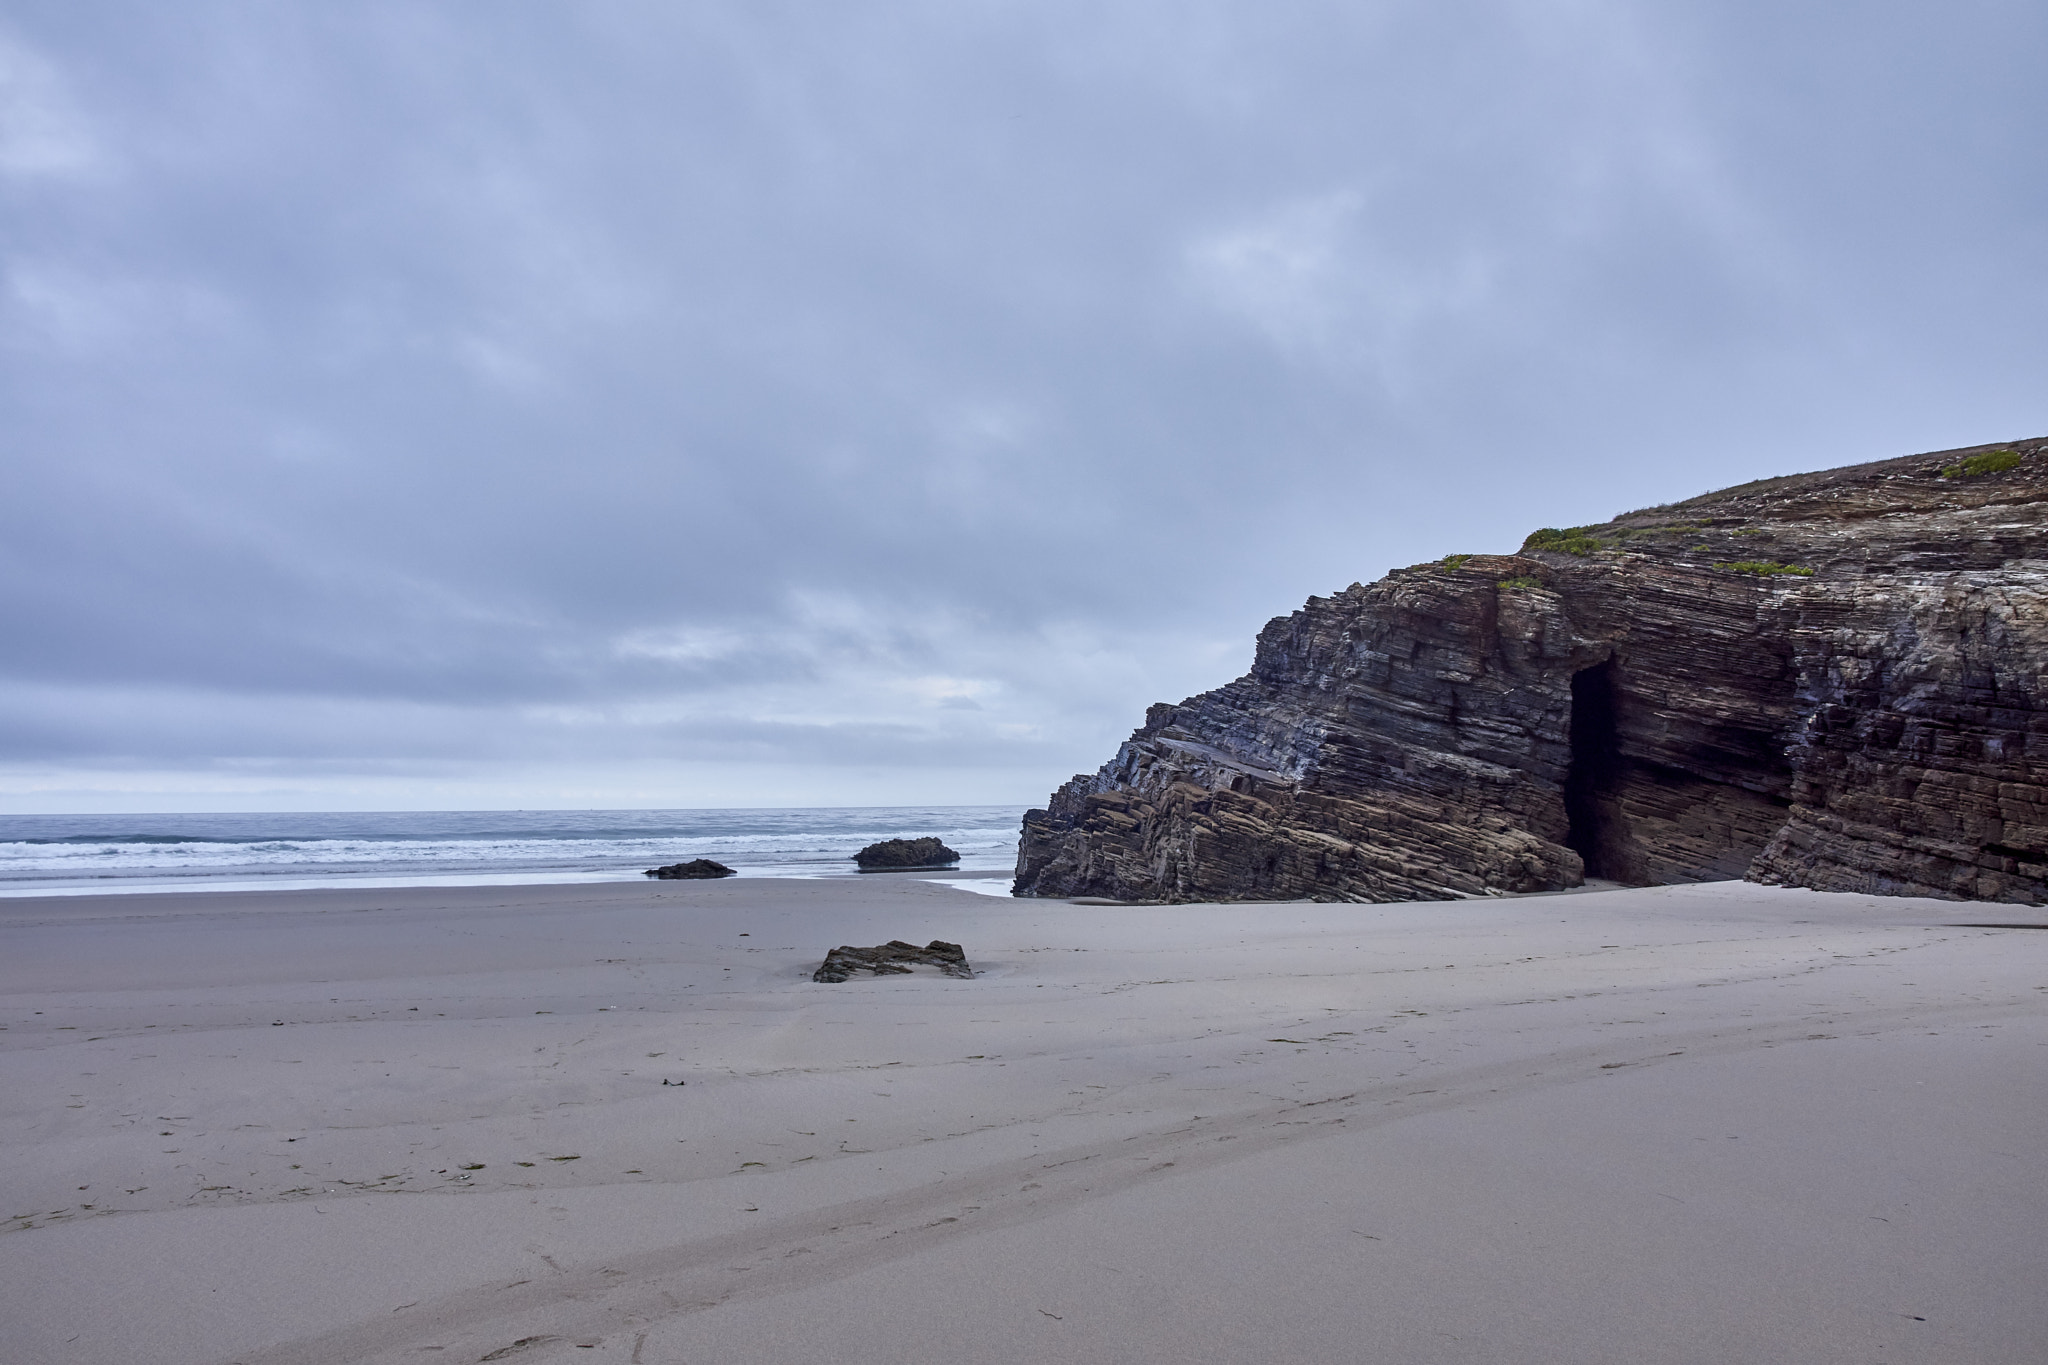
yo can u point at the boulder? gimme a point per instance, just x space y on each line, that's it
893 855
893 958
694 870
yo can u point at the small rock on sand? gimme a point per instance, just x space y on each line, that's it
892 958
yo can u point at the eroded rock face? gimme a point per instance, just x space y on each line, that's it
1835 680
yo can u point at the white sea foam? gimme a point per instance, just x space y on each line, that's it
44 854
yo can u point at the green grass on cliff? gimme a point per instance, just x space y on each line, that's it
1573 540
1989 462
1764 568
1522 581
1454 562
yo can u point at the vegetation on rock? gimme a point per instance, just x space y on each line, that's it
1764 568
1573 540
1990 462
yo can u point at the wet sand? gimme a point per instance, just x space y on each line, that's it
1698 1124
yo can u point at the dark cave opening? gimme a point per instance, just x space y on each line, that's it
1595 773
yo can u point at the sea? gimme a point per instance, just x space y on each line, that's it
42 855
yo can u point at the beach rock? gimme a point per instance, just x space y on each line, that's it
893 958
695 869
895 854
1835 680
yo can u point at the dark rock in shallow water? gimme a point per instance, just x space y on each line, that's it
894 958
1830 680
693 870
894 854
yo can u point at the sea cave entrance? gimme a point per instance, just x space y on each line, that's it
1594 779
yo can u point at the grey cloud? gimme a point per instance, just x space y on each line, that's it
918 384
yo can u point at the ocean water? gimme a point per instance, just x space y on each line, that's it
81 854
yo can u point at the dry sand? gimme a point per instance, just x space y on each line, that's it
1691 1124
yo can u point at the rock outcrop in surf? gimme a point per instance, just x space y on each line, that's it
697 869
1835 680
898 855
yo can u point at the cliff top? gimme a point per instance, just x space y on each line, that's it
2002 471
1973 507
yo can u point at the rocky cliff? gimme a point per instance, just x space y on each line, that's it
1835 680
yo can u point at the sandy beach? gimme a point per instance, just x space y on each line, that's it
618 1122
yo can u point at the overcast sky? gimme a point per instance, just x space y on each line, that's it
662 403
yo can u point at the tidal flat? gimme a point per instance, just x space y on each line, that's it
619 1122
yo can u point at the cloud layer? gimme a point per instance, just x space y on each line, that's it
740 403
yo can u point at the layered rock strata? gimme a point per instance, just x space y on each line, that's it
1835 680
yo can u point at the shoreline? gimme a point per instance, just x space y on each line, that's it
285 882
149 852
1702 1123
